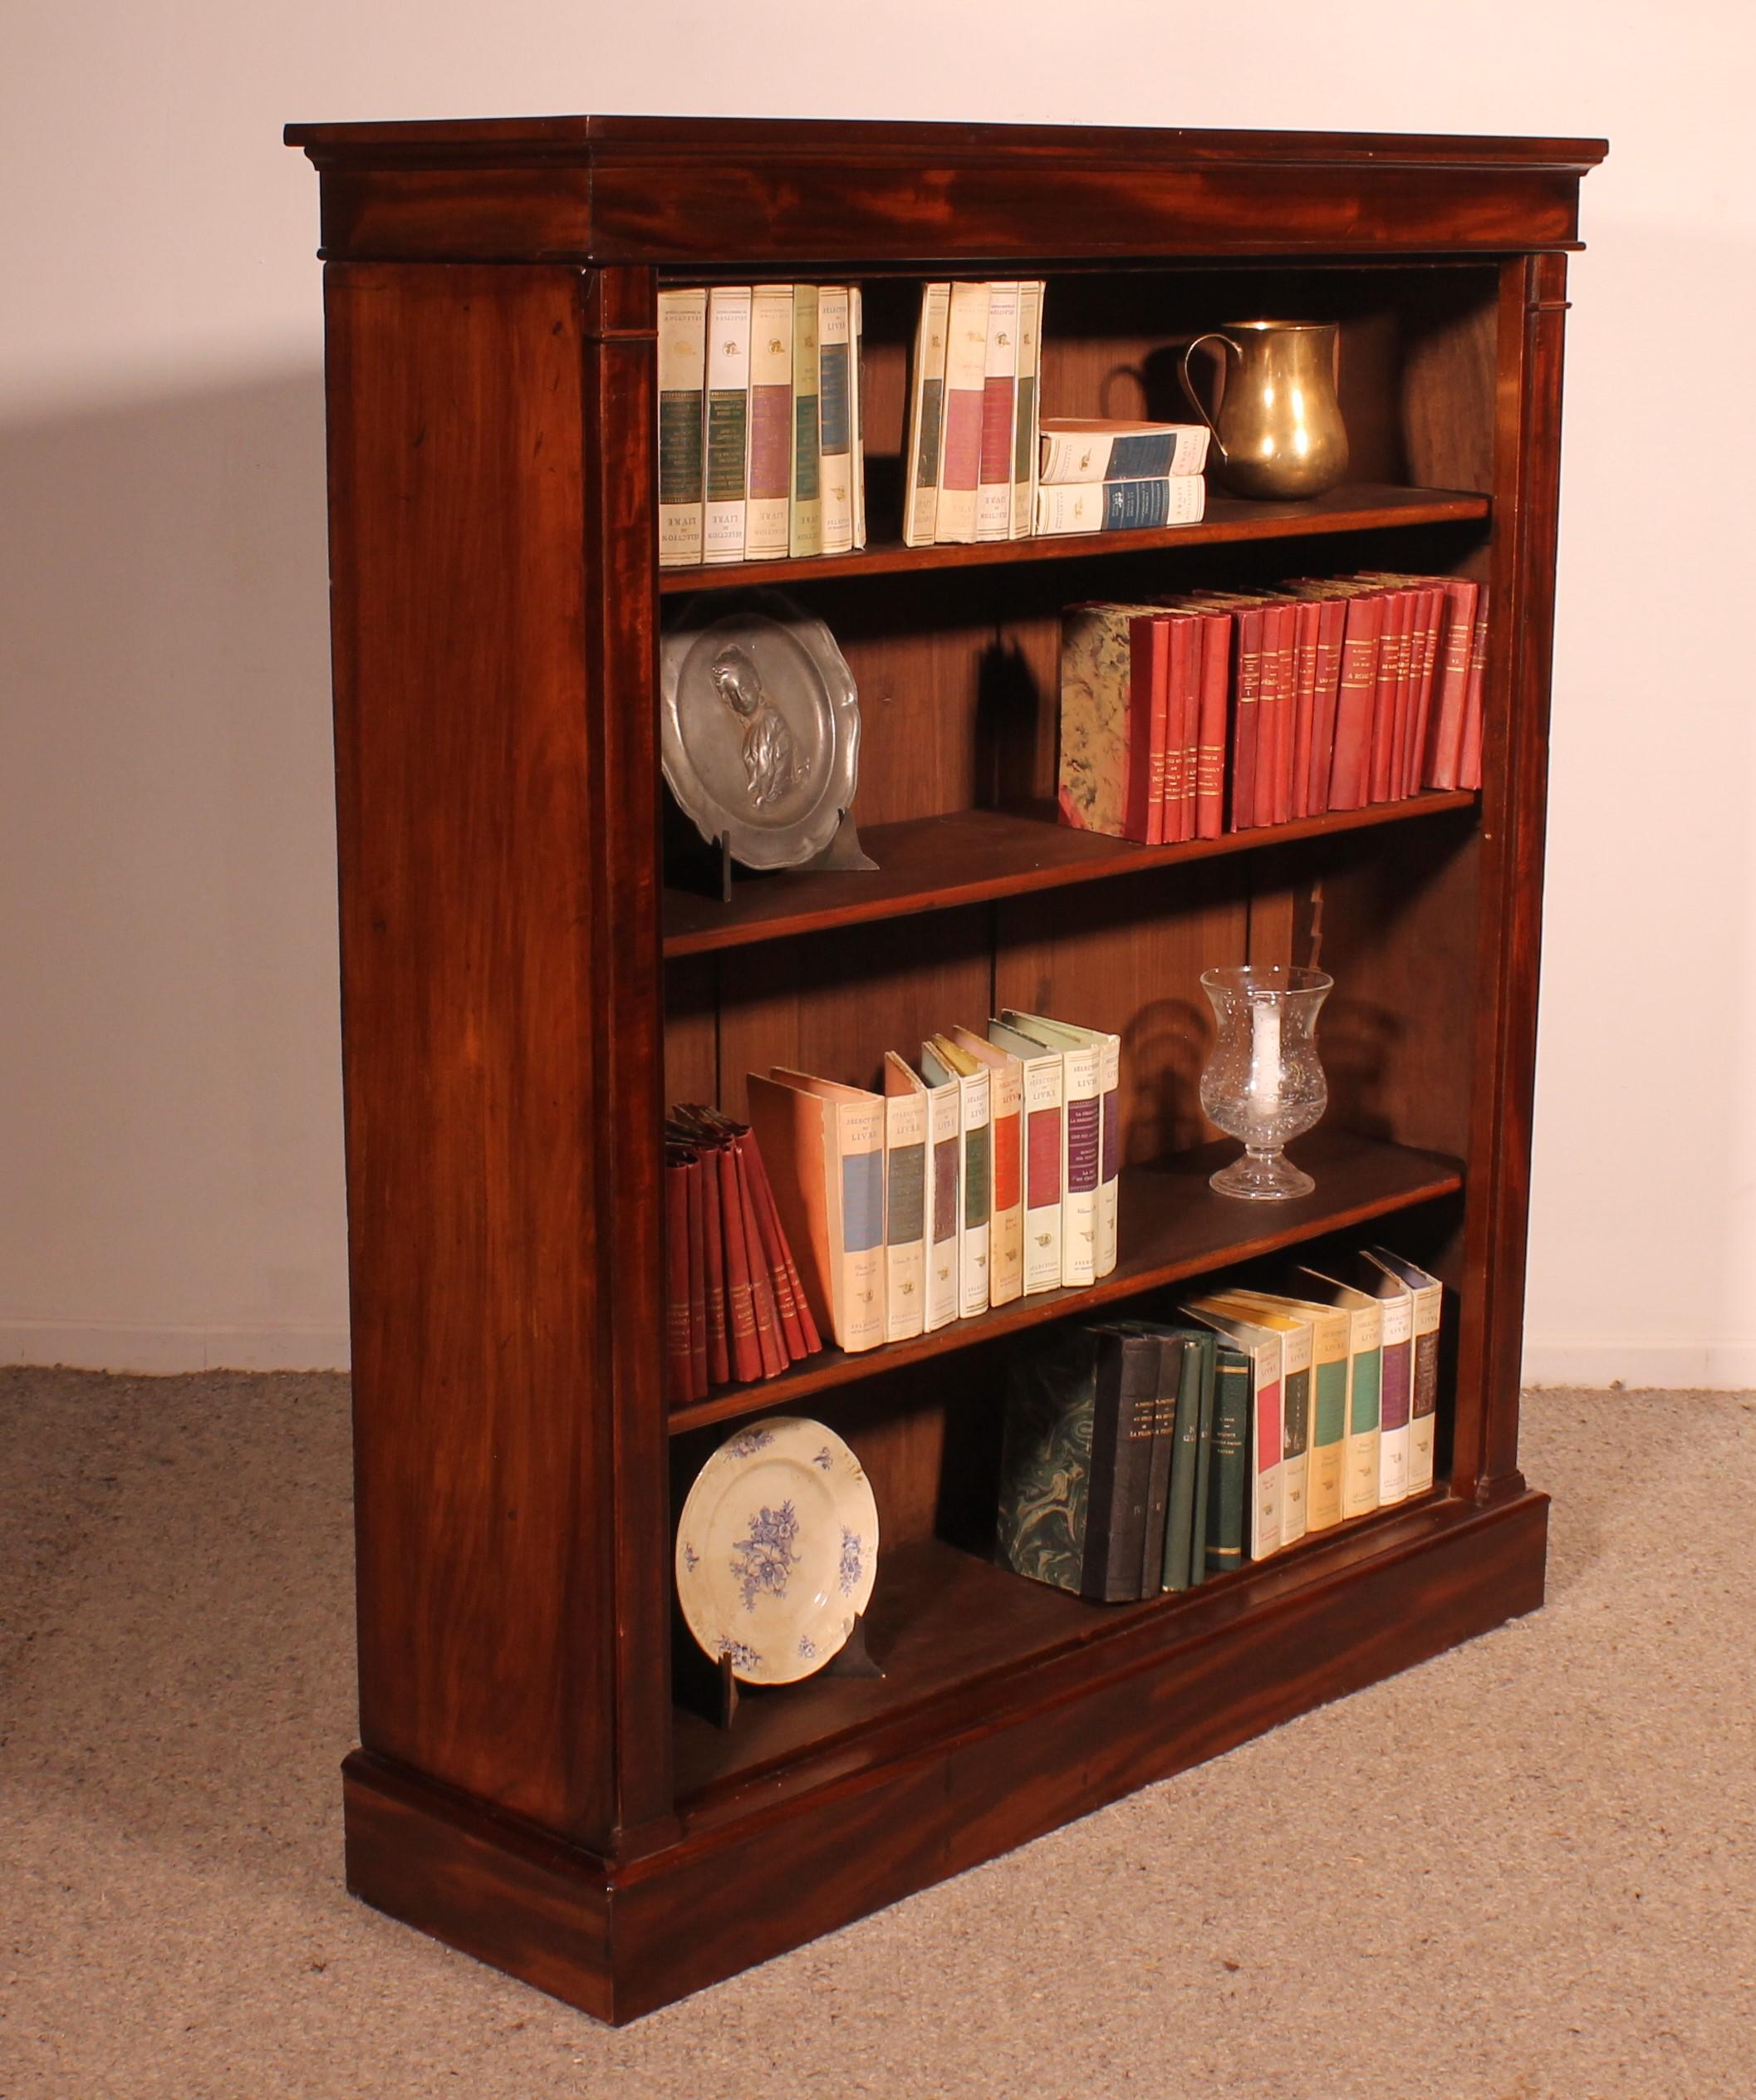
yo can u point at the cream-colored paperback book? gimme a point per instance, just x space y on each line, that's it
1081 1144
682 419
765 527
728 462
856 378
926 402
1027 414
823 1145
1429 1296
1266 1347
999 414
1068 1035
1327 1440
1364 1386
944 1207
940 1060
1042 1069
1006 1226
835 415
960 423
805 522
904 1200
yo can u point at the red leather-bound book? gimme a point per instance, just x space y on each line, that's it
1148 650
1469 764
1332 628
1390 700
1432 622
1279 701
766 1204
1182 643
679 1376
1350 783
1307 615
1247 737
769 1345
1445 726
1211 744
774 1261
719 1353
696 1280
747 1356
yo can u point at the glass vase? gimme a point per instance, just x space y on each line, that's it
1264 1083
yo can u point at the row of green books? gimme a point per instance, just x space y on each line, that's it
760 451
1140 1457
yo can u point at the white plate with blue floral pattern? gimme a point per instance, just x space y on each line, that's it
777 1550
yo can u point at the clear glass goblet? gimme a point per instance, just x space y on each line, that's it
1264 1082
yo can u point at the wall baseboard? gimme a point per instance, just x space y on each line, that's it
1665 1366
162 1351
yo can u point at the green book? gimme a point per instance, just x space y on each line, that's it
1184 1517
1227 1480
1198 1567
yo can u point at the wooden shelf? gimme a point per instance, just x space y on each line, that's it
1360 507
1172 1226
971 856
957 1635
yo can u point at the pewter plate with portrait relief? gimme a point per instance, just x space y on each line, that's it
759 723
777 1550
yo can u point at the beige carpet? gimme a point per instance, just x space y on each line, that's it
1525 1871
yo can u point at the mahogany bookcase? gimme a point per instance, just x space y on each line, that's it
523 990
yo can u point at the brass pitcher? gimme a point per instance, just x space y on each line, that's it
1280 434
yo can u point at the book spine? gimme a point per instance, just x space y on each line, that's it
771 422
1351 780
1246 717
999 414
1365 1386
1295 1463
926 394
1182 637
966 380
1006 1250
1396 1397
768 1210
1388 695
770 1343
1228 1482
728 422
1307 618
1179 1568
1469 758
1120 506
856 383
1216 684
976 1120
1045 1454
1164 1456
764 1238
678 1377
834 408
1445 733
1172 449
905 1215
1267 1431
1328 1432
1042 1151
697 1281
1025 417
741 1260
682 421
860 1164
1110 1164
1116 1529
1432 617
1274 721
1424 1405
1332 628
1081 1165
1148 699
1105 762
944 1180
805 524
718 1351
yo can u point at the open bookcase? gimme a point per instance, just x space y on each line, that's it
523 991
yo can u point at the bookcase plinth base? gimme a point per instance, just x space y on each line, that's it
778 1861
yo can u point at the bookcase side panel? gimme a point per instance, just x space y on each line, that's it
473 1044
1514 805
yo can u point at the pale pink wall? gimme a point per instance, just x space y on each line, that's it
169 1140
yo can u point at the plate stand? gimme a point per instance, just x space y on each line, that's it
706 1686
842 856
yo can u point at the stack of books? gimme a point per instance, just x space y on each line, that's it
734 1306
1184 717
987 1170
761 455
1139 1457
969 448
1097 474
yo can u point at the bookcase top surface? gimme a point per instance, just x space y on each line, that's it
732 192
747 140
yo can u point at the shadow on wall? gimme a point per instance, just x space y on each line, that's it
172 1146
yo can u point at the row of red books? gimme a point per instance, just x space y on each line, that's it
1225 710
734 1308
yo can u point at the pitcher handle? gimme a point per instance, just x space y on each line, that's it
1213 336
